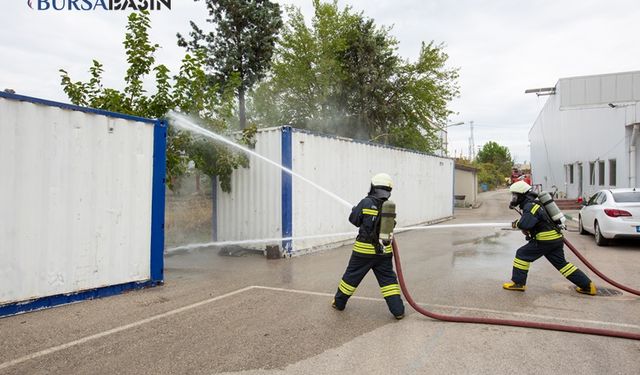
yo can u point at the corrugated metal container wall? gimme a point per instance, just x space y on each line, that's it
75 202
252 210
423 184
267 203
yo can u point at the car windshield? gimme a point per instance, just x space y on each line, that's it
630 196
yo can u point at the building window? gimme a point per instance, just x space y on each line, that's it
601 173
571 173
612 172
592 173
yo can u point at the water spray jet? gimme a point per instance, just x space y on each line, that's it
185 123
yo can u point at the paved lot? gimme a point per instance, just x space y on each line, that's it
249 315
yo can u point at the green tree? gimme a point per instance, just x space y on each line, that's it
192 93
195 95
301 90
132 100
495 163
342 75
370 67
424 89
241 45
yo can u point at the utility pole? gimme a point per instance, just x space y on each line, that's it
446 137
472 147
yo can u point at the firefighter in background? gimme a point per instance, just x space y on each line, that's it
369 252
544 239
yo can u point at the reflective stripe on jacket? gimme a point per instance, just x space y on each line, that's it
534 220
366 216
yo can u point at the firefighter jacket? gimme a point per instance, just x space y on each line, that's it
366 216
536 221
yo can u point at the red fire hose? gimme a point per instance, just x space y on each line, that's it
602 276
592 268
503 322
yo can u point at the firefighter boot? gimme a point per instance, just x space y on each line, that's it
514 286
590 290
333 304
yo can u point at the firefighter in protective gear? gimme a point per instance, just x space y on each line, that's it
369 253
544 239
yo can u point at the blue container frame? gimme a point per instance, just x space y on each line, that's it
286 149
287 189
157 217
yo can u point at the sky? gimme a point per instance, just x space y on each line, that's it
501 47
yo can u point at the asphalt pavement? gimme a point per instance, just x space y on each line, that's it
250 315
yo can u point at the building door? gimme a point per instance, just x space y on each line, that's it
579 180
626 164
630 164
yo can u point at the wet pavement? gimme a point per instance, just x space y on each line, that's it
249 315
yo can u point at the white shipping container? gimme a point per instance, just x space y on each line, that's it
266 202
81 203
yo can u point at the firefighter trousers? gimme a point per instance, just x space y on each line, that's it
382 267
554 252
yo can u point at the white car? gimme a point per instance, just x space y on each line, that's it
611 213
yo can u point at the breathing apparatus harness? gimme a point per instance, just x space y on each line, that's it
551 214
384 222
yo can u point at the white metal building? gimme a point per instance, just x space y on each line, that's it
81 203
585 137
466 185
268 203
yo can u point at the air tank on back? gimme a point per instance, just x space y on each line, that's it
551 207
387 221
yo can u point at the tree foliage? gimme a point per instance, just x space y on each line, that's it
241 44
495 163
190 92
342 75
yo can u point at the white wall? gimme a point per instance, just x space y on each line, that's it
75 200
466 183
252 210
423 184
423 188
577 125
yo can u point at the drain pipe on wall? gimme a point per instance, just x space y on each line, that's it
632 156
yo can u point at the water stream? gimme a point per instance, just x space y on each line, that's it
186 123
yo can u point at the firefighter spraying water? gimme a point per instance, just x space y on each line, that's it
537 228
372 251
542 223
375 217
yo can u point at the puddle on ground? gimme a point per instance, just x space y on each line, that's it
492 238
490 251
229 251
239 251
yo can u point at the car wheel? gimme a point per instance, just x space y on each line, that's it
580 226
600 240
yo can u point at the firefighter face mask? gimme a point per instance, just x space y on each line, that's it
380 192
515 200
